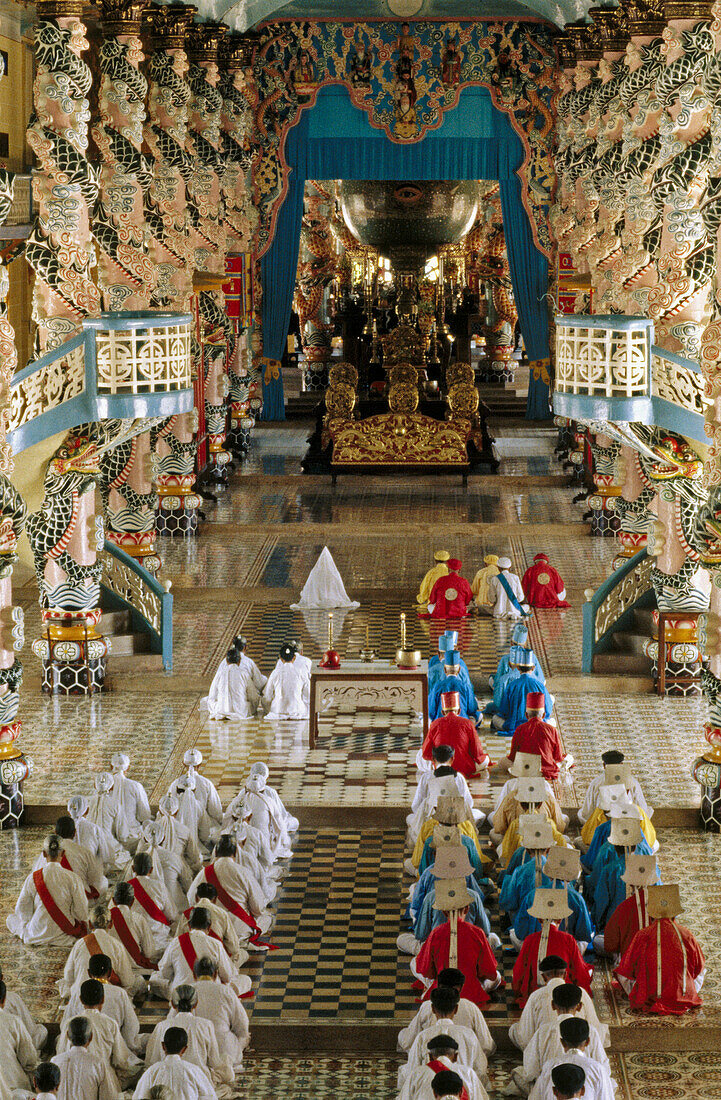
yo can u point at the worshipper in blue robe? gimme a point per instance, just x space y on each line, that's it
447 642
579 924
429 918
516 885
504 671
520 857
609 889
512 708
453 681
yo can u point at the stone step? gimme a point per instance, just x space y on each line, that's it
114 622
126 645
627 642
631 664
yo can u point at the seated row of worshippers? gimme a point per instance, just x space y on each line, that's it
559 902
240 691
192 900
495 589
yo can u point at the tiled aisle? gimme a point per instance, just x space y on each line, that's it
339 910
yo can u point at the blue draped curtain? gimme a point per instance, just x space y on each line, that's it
334 140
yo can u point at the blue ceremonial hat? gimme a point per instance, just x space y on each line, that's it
519 655
453 657
520 633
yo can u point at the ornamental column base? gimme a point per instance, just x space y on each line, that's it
707 772
138 546
682 664
15 767
315 377
241 426
604 521
219 459
73 654
630 542
177 514
503 366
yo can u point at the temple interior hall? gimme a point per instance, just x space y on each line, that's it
360 550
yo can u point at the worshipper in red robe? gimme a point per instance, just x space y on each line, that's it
450 595
549 906
631 915
663 969
538 738
469 755
542 584
472 952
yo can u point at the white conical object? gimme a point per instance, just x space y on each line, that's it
324 588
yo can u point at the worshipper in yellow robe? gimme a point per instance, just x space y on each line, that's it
483 595
440 569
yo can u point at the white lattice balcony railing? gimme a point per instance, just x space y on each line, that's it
120 365
608 368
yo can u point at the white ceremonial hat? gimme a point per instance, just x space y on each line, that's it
563 863
664 901
535 832
526 765
640 870
120 761
549 904
504 563
610 794
626 832
617 773
531 790
193 758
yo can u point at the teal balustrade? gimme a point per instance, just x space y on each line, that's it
612 605
127 586
122 365
609 369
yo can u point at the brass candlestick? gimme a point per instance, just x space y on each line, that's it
406 658
367 654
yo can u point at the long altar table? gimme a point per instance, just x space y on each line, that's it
367 684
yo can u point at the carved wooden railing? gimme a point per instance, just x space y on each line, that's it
121 365
611 606
128 586
608 368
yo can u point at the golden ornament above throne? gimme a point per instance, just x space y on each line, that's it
404 345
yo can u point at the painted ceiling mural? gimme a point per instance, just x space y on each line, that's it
405 76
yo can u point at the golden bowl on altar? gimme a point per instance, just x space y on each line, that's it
368 655
408 658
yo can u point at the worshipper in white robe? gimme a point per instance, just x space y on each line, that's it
82 1074
221 924
131 796
133 928
284 694
15 1005
18 1054
236 688
467 1015
593 792
46 1082
176 966
262 812
442 1054
98 841
218 1003
324 588
181 1079
99 938
242 889
175 836
236 823
203 789
538 1011
105 810
32 922
546 1042
202 1043
107 1043
259 773
78 859
444 1005
504 606
116 1004
575 1041
190 811
167 865
151 894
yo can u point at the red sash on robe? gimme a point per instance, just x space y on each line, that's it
438 1067
233 907
54 911
208 931
189 953
94 948
125 936
91 893
147 903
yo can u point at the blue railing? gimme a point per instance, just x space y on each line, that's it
127 586
609 369
612 605
124 365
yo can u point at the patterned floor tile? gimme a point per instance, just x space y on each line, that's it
321 1077
668 1075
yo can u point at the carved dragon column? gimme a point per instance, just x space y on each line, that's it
604 521
14 766
241 219
316 268
208 232
173 445
583 154
126 275
59 248
631 506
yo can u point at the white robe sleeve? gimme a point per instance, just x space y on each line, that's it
18 921
25 1050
